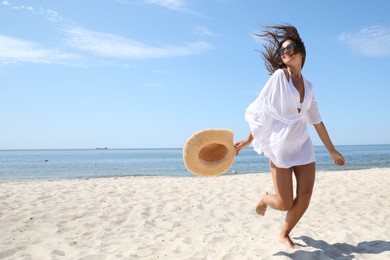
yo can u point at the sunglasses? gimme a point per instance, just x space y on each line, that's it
290 48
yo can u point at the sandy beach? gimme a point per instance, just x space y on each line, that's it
191 218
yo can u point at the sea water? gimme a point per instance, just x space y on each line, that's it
93 163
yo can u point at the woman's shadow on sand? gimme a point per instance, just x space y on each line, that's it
335 251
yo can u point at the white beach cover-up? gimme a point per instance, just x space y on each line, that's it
278 129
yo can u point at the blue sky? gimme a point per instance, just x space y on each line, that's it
150 73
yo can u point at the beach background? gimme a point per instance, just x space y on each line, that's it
182 216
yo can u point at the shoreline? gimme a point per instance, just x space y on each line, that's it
190 175
143 217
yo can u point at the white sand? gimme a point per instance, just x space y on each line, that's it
191 218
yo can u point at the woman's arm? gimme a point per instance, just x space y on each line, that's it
338 159
244 143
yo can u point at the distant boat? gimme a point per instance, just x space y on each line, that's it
101 148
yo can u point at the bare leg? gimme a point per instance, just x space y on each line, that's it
283 185
305 176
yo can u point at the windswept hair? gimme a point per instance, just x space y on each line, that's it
275 36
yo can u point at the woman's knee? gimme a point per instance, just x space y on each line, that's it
285 205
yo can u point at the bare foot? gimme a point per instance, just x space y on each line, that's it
287 242
261 207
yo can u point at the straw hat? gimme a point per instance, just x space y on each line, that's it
209 152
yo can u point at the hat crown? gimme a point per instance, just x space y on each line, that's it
213 153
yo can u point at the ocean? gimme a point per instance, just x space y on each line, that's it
94 163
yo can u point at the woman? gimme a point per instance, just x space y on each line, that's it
279 120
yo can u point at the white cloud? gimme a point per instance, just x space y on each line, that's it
50 15
85 48
7 4
170 4
370 41
14 50
110 45
176 5
202 31
29 8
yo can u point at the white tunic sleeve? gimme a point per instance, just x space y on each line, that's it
313 115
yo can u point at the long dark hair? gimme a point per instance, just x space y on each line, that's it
275 36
